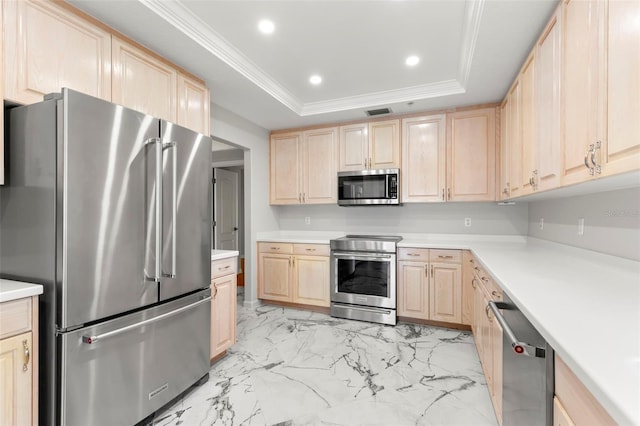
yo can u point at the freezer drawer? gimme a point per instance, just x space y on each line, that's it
120 371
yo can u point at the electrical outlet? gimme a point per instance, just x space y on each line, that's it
467 222
541 223
581 226
307 220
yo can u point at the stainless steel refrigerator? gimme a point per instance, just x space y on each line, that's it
109 209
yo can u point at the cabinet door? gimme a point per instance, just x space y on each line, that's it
274 277
547 104
413 290
527 123
193 105
312 280
467 289
223 314
424 158
384 144
478 317
560 416
504 150
515 141
471 153
354 147
582 85
16 369
621 152
445 292
285 170
319 161
47 47
141 81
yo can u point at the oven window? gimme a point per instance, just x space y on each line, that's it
367 277
355 187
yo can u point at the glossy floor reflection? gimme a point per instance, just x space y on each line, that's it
293 367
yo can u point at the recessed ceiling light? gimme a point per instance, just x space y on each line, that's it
315 79
412 61
266 27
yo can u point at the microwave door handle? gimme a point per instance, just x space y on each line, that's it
386 185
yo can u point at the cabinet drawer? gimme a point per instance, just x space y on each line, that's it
450 256
15 317
223 267
408 253
281 248
311 249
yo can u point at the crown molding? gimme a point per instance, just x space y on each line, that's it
407 94
472 17
183 19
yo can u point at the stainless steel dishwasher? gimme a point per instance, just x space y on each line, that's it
527 386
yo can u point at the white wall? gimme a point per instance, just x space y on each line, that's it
611 221
259 216
435 218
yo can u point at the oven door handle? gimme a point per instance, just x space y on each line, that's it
520 348
359 255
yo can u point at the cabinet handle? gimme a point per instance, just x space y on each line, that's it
293 259
476 268
426 270
226 267
274 248
413 254
27 355
309 249
596 167
448 193
486 311
445 257
495 294
442 194
473 283
484 279
304 196
289 261
431 271
215 293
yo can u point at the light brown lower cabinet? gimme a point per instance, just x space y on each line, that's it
573 403
430 284
488 334
294 273
223 305
18 362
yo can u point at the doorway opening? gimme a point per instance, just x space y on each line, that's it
228 227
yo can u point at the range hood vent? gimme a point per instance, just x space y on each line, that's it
380 111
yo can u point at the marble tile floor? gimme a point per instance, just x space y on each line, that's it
294 367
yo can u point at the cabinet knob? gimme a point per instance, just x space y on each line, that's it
27 355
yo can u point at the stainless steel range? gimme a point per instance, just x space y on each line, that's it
363 278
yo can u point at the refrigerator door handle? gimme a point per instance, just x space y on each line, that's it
94 339
158 213
174 207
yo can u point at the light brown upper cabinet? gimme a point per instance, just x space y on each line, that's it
600 89
193 104
47 47
505 150
303 167
582 87
528 170
548 138
424 158
622 150
143 82
374 145
471 155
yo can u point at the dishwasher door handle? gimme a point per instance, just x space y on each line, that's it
520 348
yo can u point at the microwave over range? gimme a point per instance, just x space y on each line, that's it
369 187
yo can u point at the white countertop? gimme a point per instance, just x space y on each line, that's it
12 290
223 254
585 304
